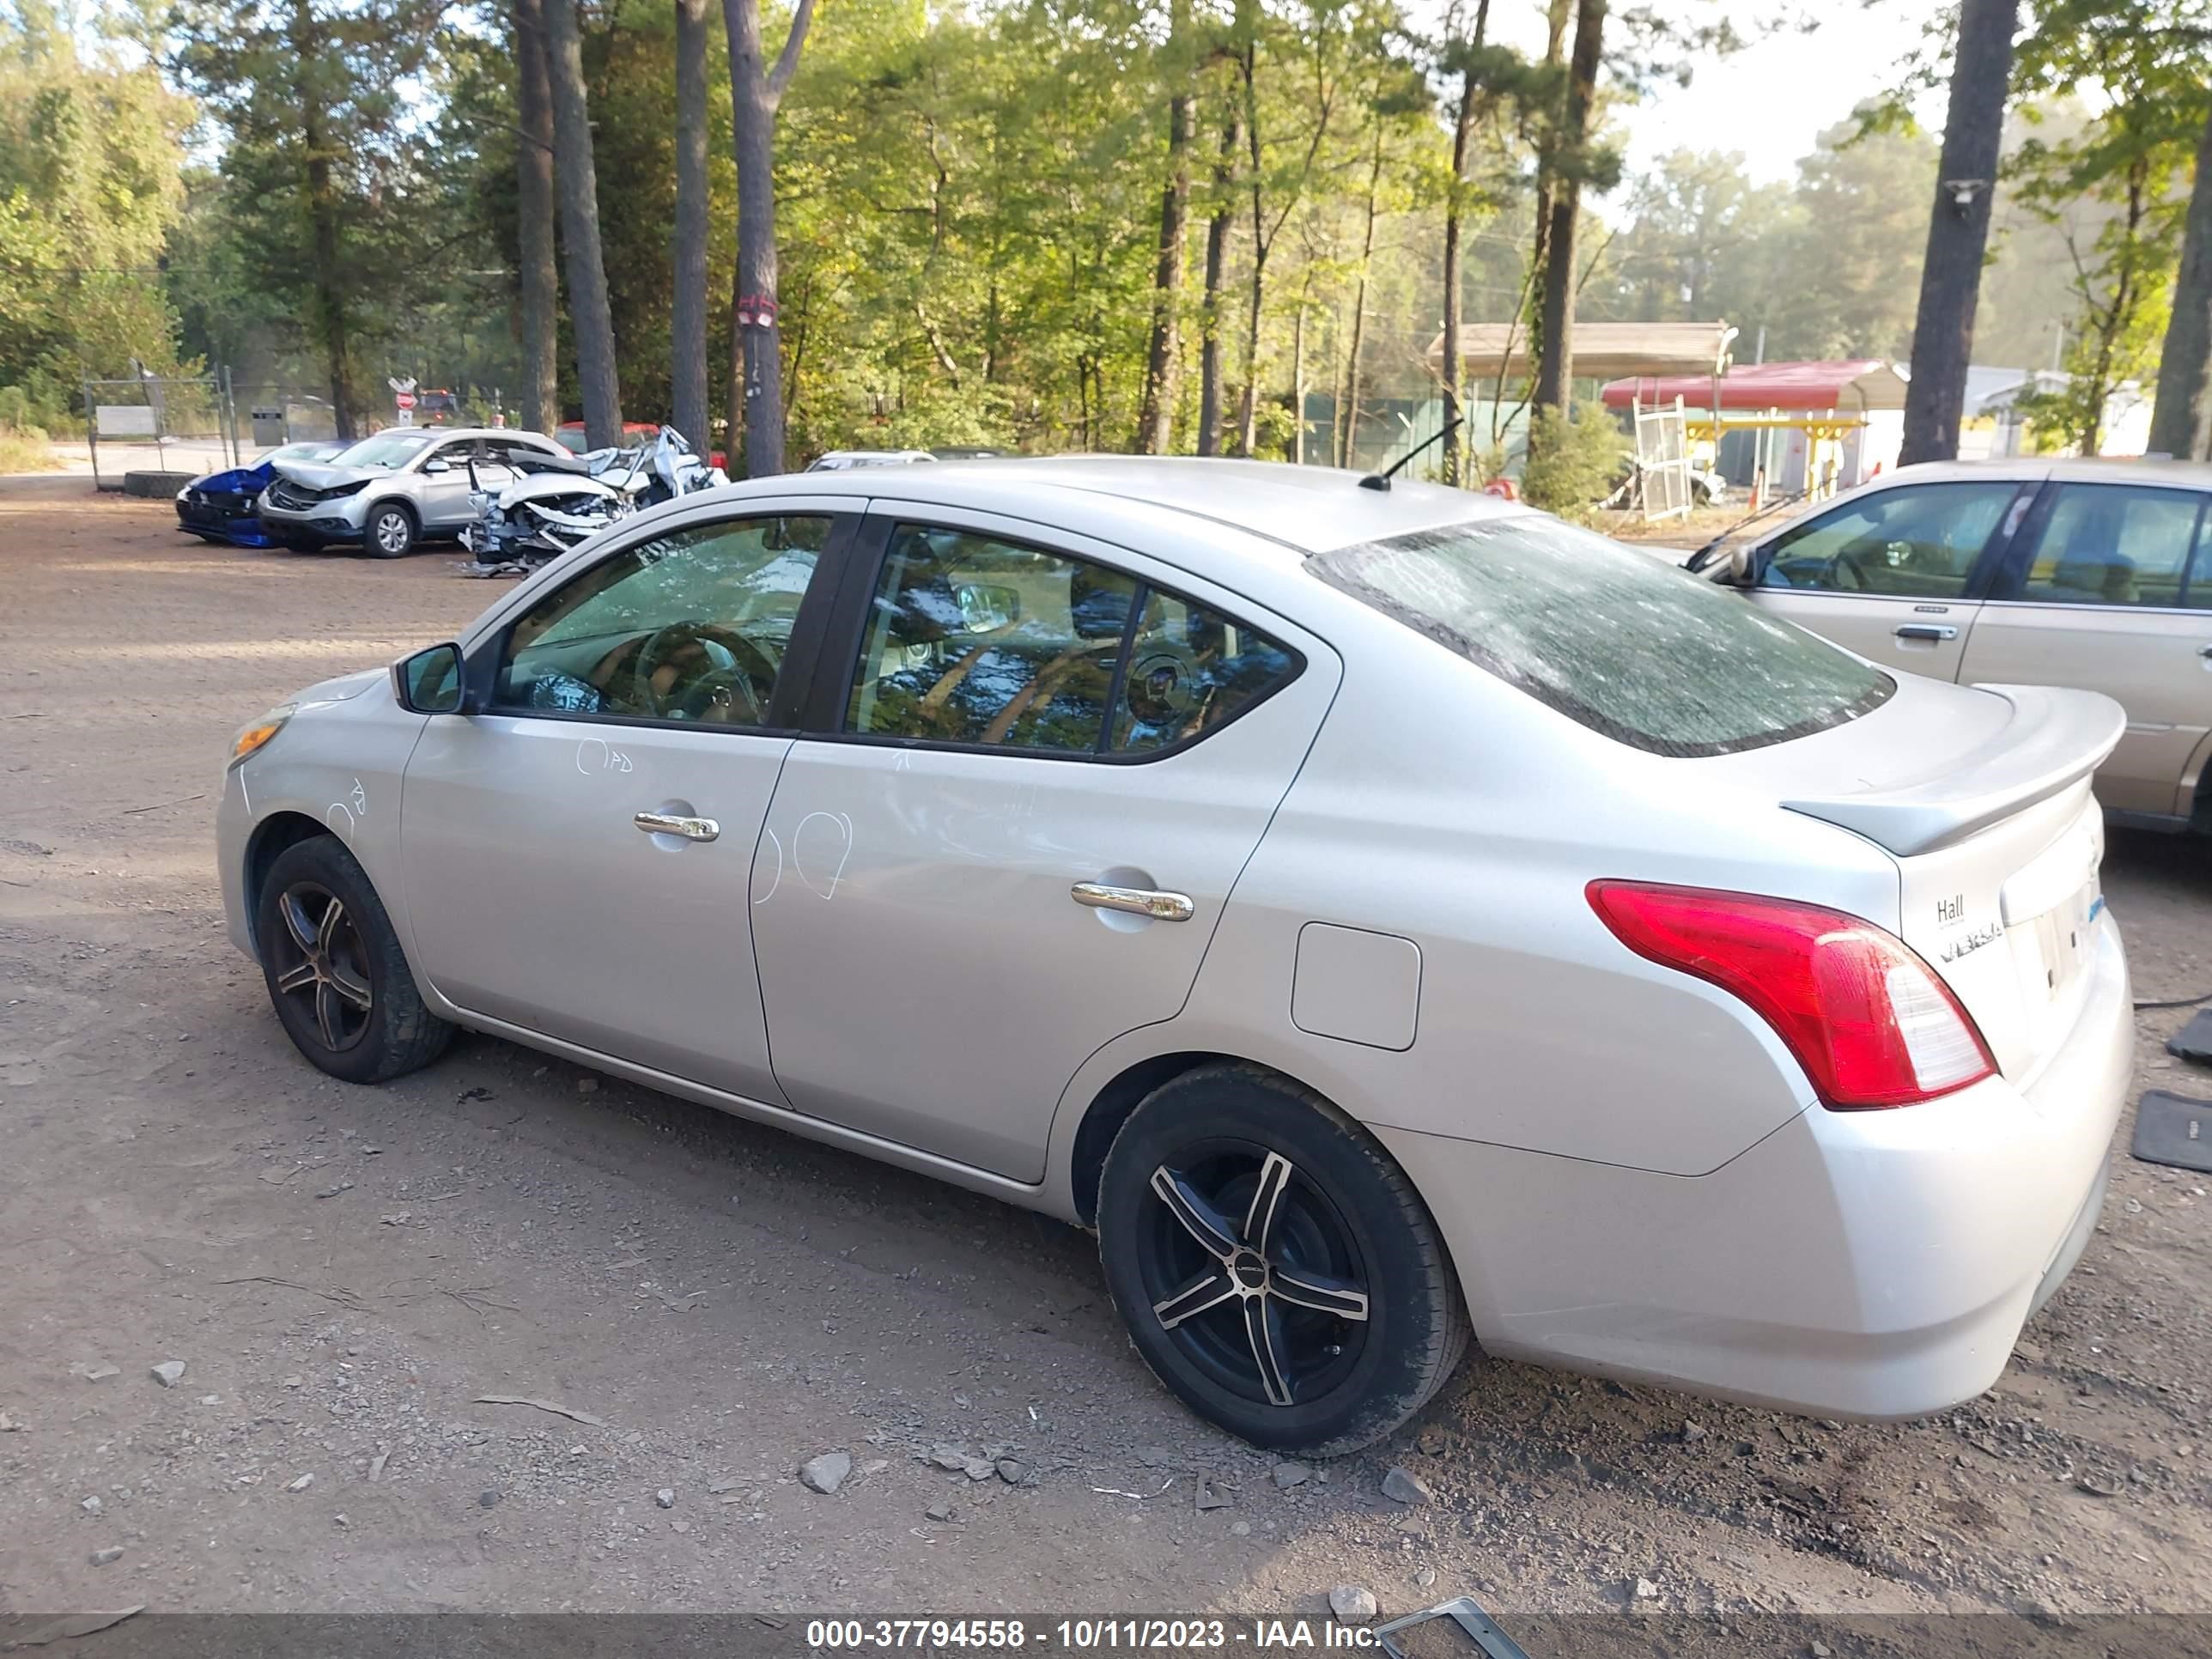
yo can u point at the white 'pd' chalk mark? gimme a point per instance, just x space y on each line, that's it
584 748
331 817
844 827
778 881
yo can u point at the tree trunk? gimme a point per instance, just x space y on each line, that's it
1351 386
1951 274
755 91
688 310
589 315
331 321
1555 359
1462 136
2181 419
1298 376
734 423
1557 16
1217 229
1164 353
1247 411
533 170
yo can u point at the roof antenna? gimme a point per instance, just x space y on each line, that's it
1382 480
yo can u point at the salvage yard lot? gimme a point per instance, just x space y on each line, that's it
346 1275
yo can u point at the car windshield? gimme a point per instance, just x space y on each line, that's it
388 449
1612 638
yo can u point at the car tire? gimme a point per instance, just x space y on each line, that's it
389 531
1205 1282
340 984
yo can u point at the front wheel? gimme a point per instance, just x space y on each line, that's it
1275 1268
338 980
391 530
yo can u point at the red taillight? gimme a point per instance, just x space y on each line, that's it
1867 1019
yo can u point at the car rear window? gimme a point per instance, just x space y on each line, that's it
1618 639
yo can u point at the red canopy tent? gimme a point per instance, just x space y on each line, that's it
1855 383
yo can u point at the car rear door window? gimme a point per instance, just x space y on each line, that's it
1621 641
1916 541
972 639
2120 545
1190 670
692 625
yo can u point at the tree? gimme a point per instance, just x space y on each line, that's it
304 92
2181 419
1555 354
688 310
1958 232
537 253
91 190
590 315
756 90
1221 224
1163 350
1465 59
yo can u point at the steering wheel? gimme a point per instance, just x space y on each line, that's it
1842 562
688 669
1165 686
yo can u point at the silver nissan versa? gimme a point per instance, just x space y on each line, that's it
1383 914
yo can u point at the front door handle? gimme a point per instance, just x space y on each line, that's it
2204 650
1137 901
1925 631
669 824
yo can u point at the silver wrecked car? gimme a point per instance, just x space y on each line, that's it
388 492
1381 913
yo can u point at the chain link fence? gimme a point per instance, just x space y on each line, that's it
157 424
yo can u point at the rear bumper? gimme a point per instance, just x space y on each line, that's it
1855 1264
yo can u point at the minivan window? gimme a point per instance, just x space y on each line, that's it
1615 639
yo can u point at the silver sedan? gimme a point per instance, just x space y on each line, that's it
389 492
1383 914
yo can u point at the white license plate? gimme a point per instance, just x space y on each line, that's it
2062 938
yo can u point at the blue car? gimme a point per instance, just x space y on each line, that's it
221 505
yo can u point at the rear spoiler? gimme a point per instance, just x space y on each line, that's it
2054 739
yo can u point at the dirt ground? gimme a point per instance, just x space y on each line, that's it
346 1274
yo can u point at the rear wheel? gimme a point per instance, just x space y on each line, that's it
335 974
1275 1268
391 530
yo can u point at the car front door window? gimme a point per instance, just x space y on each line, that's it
1917 541
693 626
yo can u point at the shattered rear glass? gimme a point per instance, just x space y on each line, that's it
1615 639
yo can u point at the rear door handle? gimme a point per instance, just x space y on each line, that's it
2204 650
669 824
1137 901
1925 631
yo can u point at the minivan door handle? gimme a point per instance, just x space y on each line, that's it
1925 631
670 823
1137 901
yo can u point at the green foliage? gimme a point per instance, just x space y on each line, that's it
1573 462
89 156
2113 188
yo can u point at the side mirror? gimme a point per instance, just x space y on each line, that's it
1741 563
431 681
437 466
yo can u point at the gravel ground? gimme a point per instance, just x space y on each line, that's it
350 1276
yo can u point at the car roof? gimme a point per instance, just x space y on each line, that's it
2114 469
1305 509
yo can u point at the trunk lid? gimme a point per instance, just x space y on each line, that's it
1982 796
